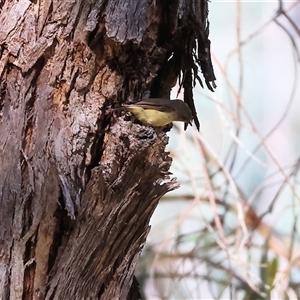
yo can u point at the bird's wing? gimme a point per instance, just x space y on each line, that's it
155 103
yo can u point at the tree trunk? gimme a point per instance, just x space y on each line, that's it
77 184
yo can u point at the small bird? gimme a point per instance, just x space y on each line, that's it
160 111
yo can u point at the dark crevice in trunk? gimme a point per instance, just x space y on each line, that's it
64 225
27 217
30 267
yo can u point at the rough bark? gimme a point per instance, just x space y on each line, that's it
78 185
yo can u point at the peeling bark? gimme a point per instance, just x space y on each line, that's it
78 185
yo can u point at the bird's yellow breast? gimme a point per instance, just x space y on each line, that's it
152 117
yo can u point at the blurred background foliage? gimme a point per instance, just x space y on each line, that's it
231 231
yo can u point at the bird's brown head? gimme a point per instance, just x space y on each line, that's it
183 111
